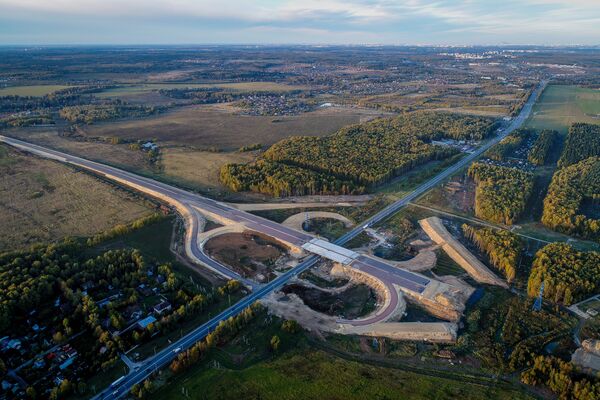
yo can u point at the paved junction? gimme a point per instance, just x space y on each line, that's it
188 203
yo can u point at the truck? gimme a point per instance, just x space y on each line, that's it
118 381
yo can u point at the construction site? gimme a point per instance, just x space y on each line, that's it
353 291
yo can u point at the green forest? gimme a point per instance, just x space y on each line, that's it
541 150
569 275
356 158
570 189
282 180
501 193
502 247
583 141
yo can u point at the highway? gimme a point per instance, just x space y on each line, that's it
186 203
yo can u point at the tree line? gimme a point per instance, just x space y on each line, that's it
502 193
90 113
502 247
583 141
66 97
281 180
541 150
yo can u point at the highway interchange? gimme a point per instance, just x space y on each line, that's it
188 204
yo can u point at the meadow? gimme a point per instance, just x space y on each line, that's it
43 201
130 90
559 106
218 126
315 374
31 90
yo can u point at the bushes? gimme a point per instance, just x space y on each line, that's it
583 141
569 189
502 193
502 247
224 332
91 113
541 149
568 275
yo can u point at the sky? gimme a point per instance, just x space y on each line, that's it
394 22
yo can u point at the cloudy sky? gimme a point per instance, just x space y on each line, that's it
300 21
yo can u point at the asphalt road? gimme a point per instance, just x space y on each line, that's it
185 201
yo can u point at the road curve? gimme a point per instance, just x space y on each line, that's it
184 200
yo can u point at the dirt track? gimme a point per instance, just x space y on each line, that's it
434 227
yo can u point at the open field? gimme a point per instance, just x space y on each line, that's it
193 169
560 106
488 100
316 374
33 90
43 201
118 155
197 169
217 126
132 90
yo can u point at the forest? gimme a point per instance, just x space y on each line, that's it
502 247
66 291
506 333
583 141
570 189
281 180
501 193
541 150
561 378
356 158
508 145
569 275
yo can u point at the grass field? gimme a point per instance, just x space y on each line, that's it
152 240
43 201
315 374
132 90
197 169
210 126
118 155
33 90
194 169
560 106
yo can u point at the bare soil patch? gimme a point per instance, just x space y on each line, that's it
247 253
357 301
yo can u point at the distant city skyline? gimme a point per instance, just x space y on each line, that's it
393 22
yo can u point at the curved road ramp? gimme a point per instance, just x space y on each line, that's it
436 230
